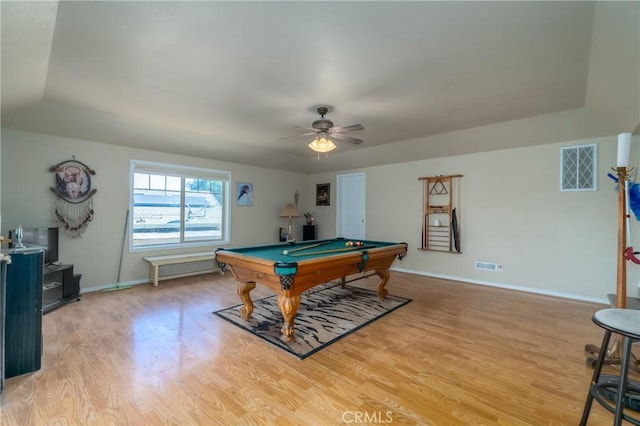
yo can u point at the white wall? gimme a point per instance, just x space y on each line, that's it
27 200
512 213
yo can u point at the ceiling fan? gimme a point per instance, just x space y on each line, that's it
323 128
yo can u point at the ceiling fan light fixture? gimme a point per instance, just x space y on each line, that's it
322 145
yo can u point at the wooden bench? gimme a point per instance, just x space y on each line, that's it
156 261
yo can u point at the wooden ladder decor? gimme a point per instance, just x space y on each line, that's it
441 213
438 188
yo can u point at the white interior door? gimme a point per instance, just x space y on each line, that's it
351 198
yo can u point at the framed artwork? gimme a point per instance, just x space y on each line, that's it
244 193
322 194
73 181
74 196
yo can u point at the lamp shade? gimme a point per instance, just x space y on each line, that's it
289 210
322 145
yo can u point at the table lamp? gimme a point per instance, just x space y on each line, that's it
290 210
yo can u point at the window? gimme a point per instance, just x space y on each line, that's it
177 206
578 168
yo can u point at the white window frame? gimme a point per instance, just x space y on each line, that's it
140 166
594 168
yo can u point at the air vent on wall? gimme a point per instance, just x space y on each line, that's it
486 266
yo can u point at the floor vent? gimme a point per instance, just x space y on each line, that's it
486 266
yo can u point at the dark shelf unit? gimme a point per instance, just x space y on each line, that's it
60 286
309 232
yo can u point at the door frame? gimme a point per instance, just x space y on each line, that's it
342 207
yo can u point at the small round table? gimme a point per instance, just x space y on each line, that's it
619 389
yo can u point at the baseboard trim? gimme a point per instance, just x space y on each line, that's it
146 280
113 285
571 296
562 295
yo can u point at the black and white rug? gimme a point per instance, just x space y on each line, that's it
325 315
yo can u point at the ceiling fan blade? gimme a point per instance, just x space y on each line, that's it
350 128
306 128
297 136
342 137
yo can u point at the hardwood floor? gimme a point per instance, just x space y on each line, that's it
459 354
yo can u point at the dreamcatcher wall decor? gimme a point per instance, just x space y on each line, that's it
74 196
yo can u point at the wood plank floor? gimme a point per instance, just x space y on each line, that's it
459 354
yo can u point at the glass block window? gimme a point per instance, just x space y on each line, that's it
578 167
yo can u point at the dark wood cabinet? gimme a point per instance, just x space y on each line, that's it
3 286
23 313
309 232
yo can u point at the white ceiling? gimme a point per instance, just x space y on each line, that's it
228 80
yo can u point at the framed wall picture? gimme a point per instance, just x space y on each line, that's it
244 193
323 196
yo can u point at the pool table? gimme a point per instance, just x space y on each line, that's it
289 269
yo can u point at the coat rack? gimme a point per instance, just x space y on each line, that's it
624 252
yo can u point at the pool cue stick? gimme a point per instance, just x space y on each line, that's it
310 246
334 250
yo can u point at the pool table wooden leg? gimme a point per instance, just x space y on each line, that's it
243 291
289 307
384 277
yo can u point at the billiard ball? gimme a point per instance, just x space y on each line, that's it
285 252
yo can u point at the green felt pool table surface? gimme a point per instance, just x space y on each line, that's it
307 264
304 250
